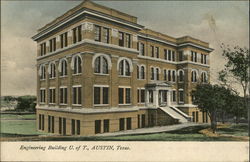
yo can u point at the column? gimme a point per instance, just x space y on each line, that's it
156 97
169 98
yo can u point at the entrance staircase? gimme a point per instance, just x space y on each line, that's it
176 113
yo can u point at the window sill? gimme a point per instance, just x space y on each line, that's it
76 104
53 104
141 79
100 105
42 103
63 76
101 74
78 74
62 104
123 76
42 79
52 78
125 104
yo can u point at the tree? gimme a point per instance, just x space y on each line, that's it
10 101
26 103
236 69
212 99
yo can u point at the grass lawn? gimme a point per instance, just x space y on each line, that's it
235 130
16 117
13 126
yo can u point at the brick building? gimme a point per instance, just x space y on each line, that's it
99 71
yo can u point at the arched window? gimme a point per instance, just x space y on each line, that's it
77 65
203 77
142 72
138 72
63 68
42 72
152 74
194 76
52 70
157 74
101 65
124 68
181 75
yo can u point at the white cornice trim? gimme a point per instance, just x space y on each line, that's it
175 45
90 42
197 46
171 62
42 33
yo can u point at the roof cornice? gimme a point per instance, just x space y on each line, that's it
87 12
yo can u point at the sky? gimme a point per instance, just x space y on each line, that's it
215 22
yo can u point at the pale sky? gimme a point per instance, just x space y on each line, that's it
215 22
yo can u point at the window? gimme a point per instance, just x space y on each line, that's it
193 56
124 95
165 74
142 49
181 56
181 96
42 95
52 45
52 95
64 40
157 52
42 72
173 55
63 68
77 95
174 96
138 72
194 76
77 34
75 127
97 126
173 75
105 35
143 120
78 127
121 124
101 95
121 39
43 49
203 59
203 77
106 125
52 70
152 74
77 65
138 121
141 95
169 55
51 123
169 75
165 54
128 40
101 65
97 33
155 73
63 95
181 76
124 68
152 51
151 96
129 124
64 126
41 122
142 72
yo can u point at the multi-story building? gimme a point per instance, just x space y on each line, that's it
98 71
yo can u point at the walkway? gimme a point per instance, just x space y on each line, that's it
156 129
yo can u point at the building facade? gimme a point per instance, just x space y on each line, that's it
99 71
